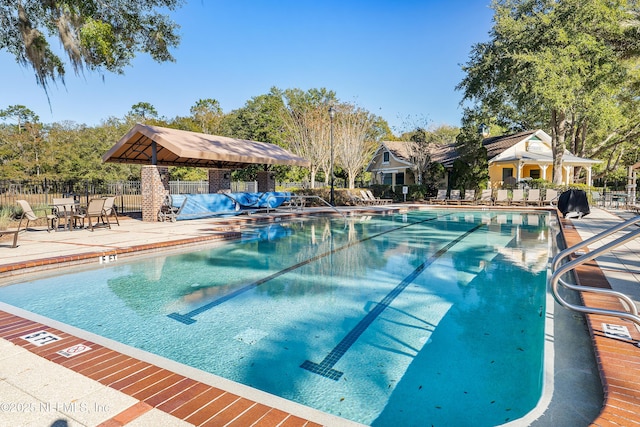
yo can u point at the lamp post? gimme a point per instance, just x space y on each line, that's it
332 113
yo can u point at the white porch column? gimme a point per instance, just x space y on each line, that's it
567 173
519 171
589 180
544 172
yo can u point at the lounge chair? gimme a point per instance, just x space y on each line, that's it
533 197
368 200
486 197
14 233
440 199
551 197
454 198
517 197
29 215
469 197
502 197
355 200
110 208
378 199
94 211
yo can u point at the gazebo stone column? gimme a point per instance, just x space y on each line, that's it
155 186
266 181
219 180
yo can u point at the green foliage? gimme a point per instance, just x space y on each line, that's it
471 169
564 66
98 35
6 215
420 192
183 173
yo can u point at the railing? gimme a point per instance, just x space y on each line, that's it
300 201
559 270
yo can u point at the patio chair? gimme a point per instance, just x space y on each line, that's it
378 199
440 199
29 215
454 198
94 211
533 197
64 208
551 197
502 197
110 208
469 197
486 197
597 198
517 197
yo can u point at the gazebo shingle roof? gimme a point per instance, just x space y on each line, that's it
176 147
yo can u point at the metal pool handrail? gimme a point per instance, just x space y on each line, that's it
565 253
323 201
559 270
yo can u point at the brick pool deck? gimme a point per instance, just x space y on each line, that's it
106 386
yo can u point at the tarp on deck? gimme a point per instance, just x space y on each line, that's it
194 206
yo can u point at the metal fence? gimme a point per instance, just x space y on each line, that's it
128 193
40 193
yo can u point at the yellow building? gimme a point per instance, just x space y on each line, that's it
525 155
512 158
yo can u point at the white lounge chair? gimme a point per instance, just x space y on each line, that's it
454 198
502 197
469 197
486 197
533 197
380 201
440 199
369 200
517 197
551 197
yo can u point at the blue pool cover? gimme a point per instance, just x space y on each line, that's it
194 206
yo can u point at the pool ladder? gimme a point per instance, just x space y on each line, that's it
559 269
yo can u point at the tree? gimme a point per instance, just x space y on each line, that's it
22 148
307 122
353 128
555 64
471 169
97 35
260 119
142 111
207 113
420 143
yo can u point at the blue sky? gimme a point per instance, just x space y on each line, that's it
399 59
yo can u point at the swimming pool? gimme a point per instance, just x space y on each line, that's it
428 316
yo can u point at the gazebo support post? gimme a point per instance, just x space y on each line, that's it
266 181
155 186
219 181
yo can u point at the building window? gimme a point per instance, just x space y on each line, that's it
507 173
400 178
534 173
387 179
385 157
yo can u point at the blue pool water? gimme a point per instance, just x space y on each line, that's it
424 318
